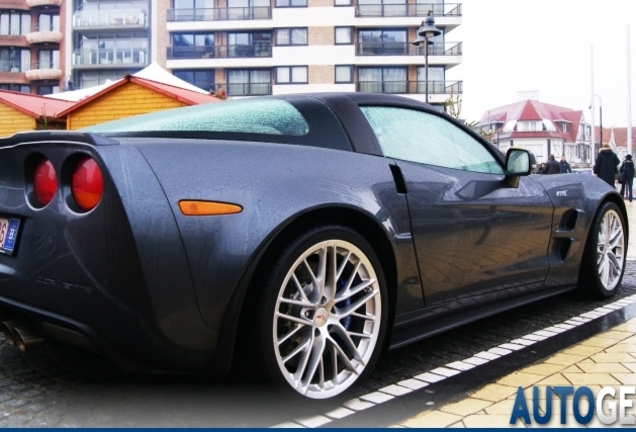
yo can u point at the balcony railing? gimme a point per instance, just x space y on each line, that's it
127 17
405 48
220 14
408 10
44 71
411 87
110 57
219 51
245 89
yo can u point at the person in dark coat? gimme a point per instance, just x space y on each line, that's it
552 166
564 166
606 165
627 170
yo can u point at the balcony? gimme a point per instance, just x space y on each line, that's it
129 19
407 49
43 4
110 58
411 87
219 51
220 14
408 10
44 37
44 72
245 89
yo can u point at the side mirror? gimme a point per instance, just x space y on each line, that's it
518 163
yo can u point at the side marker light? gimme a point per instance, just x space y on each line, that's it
207 208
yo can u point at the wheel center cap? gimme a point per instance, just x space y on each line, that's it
321 317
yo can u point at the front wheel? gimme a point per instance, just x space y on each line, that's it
603 263
325 313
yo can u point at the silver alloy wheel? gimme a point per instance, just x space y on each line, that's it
327 319
610 250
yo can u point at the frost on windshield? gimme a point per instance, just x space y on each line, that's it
258 116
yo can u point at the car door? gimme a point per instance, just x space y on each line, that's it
474 234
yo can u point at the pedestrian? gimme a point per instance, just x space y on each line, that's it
564 166
627 171
552 166
540 168
606 165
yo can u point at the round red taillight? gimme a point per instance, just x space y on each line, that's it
87 184
44 182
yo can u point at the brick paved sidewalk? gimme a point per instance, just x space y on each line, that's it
607 359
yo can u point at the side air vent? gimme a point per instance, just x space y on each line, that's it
569 219
563 247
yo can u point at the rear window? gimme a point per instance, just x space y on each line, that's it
255 116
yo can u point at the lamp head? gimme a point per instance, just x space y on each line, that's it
428 28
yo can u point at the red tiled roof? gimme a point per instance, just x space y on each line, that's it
620 135
188 97
34 105
529 110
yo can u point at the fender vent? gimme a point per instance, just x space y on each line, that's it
563 247
569 219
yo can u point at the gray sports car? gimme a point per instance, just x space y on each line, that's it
294 237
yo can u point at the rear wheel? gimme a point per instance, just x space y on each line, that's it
603 263
325 313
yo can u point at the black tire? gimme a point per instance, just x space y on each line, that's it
603 264
306 339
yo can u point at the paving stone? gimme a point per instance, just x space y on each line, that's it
466 406
432 419
494 392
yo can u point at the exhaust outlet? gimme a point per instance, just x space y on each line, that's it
7 328
22 333
27 337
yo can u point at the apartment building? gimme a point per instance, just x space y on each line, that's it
31 45
109 39
262 47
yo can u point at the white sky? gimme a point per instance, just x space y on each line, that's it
545 45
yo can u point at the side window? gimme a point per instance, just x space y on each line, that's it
425 138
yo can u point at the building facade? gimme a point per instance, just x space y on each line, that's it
31 46
109 39
542 128
262 47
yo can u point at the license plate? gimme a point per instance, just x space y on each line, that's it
8 234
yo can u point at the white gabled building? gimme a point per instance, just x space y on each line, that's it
541 128
260 47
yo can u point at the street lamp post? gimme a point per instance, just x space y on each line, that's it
424 33
600 113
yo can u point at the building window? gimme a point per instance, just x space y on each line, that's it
382 42
15 60
382 8
436 80
16 88
202 78
291 36
48 89
344 35
252 44
48 22
249 82
192 46
291 3
15 23
342 3
93 78
291 75
343 74
120 48
382 79
49 59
